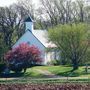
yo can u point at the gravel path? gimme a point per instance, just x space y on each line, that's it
48 74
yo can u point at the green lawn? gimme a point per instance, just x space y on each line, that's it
57 70
31 72
32 75
42 81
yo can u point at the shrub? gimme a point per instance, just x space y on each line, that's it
22 57
53 62
2 67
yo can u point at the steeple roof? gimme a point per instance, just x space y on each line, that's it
28 19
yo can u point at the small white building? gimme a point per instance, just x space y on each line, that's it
39 39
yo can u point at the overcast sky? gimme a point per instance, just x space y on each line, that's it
6 2
9 2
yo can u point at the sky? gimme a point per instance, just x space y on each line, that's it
4 3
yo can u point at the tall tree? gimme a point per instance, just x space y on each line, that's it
3 48
72 41
63 11
29 6
10 24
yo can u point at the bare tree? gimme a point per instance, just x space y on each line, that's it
29 6
64 11
10 25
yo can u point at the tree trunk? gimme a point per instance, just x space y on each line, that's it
75 64
25 69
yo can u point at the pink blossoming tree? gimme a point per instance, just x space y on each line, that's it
22 57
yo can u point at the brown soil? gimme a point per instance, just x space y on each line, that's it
45 87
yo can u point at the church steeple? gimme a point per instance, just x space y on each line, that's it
29 24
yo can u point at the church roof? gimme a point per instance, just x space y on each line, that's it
41 35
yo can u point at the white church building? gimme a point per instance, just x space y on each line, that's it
37 38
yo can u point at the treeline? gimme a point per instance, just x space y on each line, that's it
49 13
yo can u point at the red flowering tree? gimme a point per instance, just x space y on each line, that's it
22 57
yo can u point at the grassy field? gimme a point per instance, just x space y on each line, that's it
33 75
57 70
42 81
